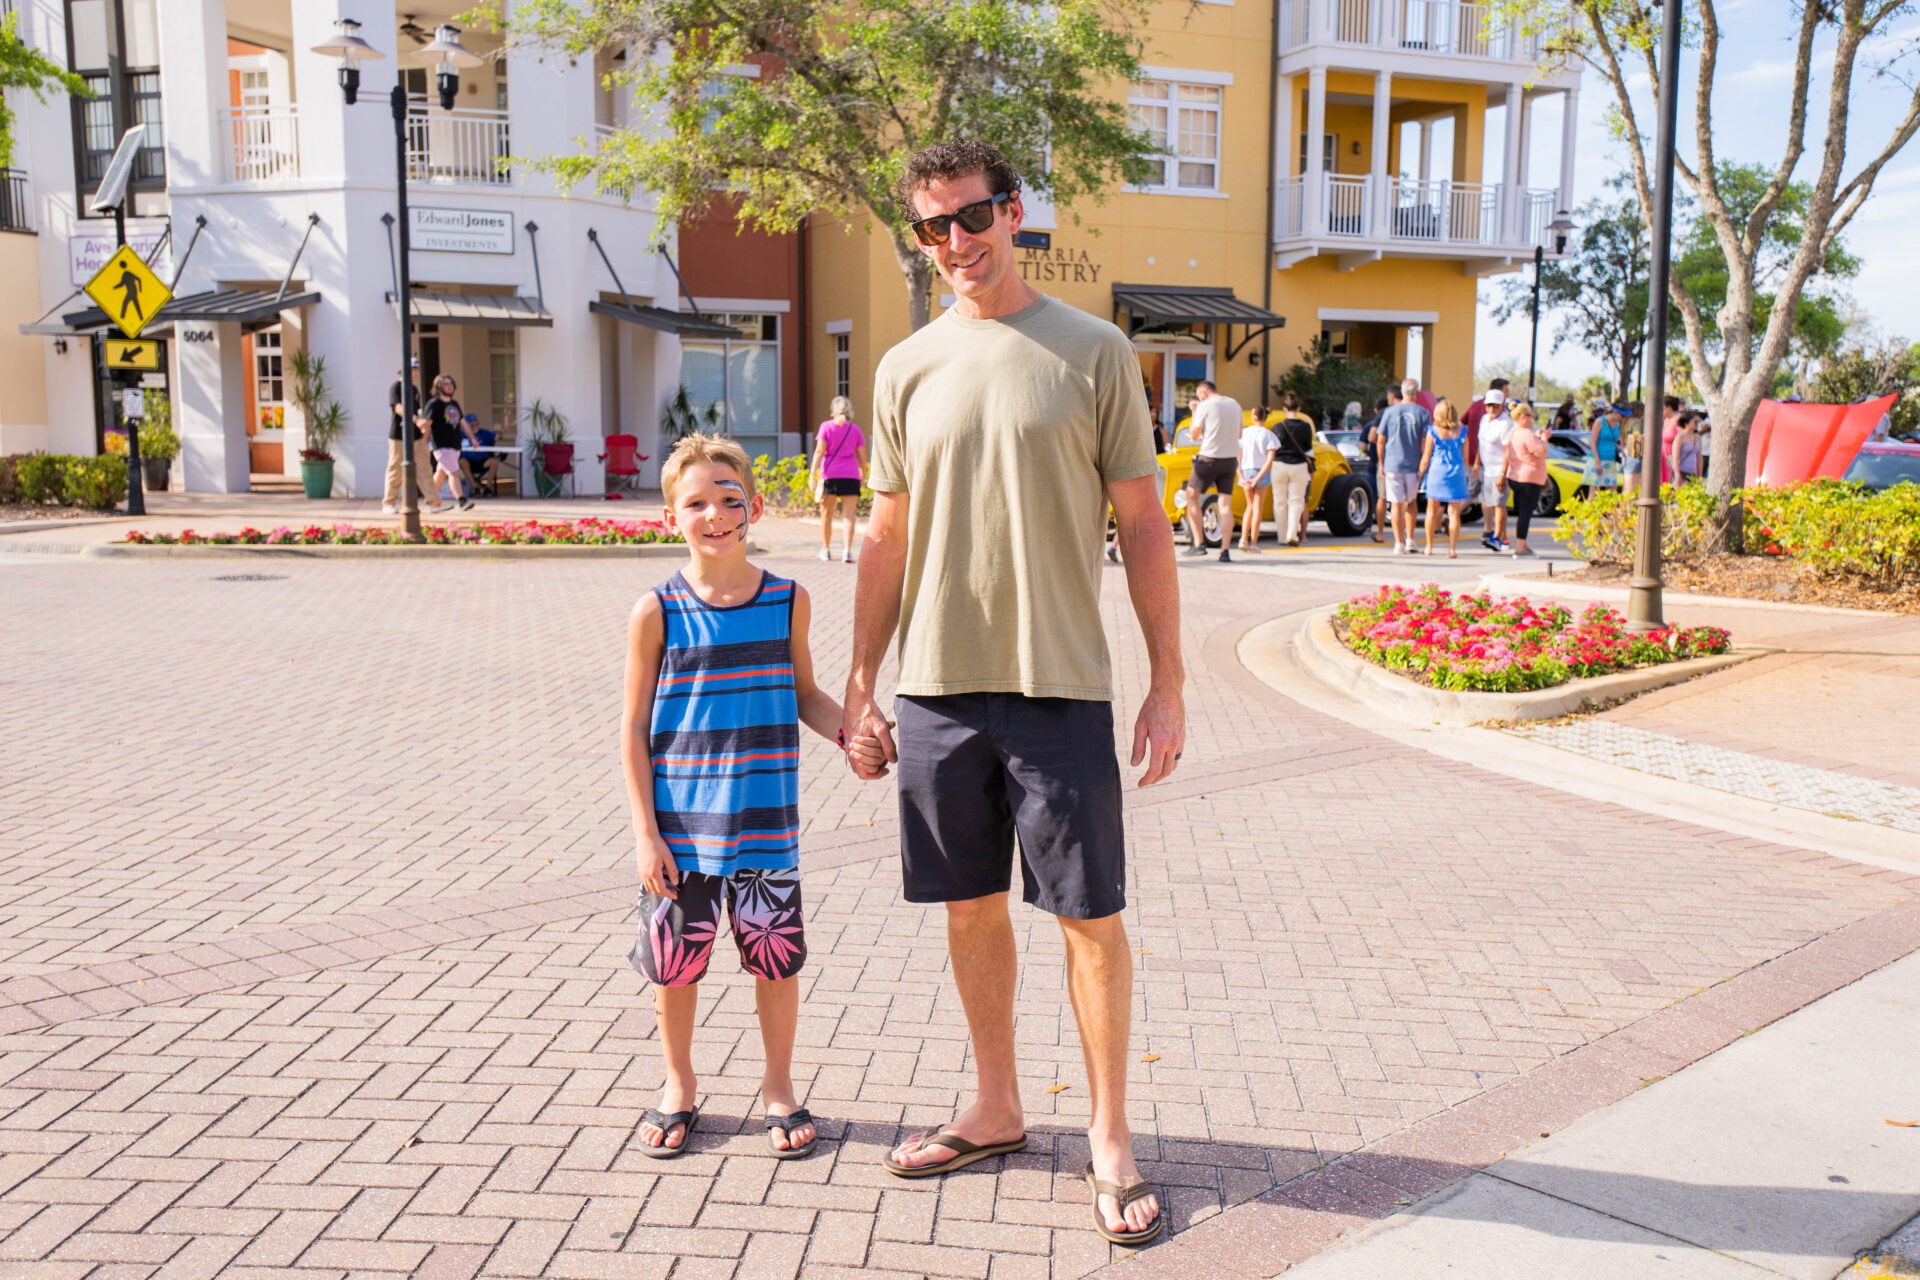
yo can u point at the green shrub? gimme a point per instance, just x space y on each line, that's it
1839 529
42 477
1601 527
97 483
9 477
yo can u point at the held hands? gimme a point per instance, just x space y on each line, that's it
658 874
866 735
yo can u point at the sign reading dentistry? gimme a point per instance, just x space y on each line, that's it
462 230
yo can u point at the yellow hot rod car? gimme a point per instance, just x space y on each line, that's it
1337 494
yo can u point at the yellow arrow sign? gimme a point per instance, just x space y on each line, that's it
128 291
122 354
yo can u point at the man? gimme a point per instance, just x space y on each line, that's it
1370 438
1485 402
1001 431
1402 431
1216 429
1491 436
404 399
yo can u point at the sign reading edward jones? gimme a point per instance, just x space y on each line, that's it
462 230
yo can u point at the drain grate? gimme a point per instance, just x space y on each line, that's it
251 577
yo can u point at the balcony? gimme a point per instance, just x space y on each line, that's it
464 147
1483 223
1443 28
16 204
265 144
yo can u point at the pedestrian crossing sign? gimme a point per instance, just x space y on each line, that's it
128 291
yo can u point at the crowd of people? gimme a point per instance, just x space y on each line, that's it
1492 455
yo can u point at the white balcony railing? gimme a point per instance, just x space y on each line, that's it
1536 211
265 144
1461 28
1346 199
1289 209
464 146
1443 211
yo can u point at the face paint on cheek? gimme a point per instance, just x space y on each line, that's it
738 504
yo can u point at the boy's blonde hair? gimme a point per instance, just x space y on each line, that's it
713 450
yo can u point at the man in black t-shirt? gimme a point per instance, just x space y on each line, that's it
422 464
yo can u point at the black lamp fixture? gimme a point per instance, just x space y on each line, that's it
351 50
452 57
1562 228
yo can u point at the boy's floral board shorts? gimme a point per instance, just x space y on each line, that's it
677 934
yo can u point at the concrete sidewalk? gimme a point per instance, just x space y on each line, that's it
1772 1157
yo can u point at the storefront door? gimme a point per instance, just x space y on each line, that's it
1172 373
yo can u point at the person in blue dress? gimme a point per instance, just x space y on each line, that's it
1443 474
1603 451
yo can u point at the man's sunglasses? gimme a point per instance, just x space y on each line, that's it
976 217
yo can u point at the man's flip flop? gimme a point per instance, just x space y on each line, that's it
666 1123
787 1124
1125 1196
964 1154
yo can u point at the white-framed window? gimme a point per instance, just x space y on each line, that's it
1185 119
1329 152
740 377
255 95
843 365
503 380
269 380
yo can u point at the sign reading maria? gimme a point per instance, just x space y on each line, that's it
462 230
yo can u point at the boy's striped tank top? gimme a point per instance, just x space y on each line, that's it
725 735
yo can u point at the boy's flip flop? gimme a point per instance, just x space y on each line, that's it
964 1154
787 1124
1125 1196
665 1123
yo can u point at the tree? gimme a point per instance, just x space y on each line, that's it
1865 371
1326 383
1548 389
24 67
848 88
1599 291
1614 37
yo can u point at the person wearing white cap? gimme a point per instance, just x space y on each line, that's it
1495 426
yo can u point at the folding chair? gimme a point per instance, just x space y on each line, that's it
622 463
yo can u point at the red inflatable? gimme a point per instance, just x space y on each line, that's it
1792 442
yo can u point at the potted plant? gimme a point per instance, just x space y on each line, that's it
159 446
547 430
325 421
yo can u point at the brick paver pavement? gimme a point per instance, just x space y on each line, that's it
315 893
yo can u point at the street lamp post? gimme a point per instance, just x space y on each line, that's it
1645 610
451 57
1561 227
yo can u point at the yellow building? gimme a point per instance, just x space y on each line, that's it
1375 238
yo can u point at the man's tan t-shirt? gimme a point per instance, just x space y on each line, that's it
1003 433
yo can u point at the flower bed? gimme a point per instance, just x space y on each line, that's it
591 532
1491 644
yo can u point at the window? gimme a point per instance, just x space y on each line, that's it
97 134
269 380
1185 120
503 379
738 377
254 95
843 364
144 93
1329 153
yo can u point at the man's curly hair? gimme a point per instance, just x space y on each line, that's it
947 161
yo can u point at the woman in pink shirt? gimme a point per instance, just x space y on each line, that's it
839 466
1525 473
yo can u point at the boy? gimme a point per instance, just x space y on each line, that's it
718 681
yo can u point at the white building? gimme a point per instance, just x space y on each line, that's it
251 152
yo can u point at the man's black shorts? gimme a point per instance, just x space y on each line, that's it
1214 473
978 769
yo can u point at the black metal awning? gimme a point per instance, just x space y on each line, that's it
249 308
684 324
1168 304
496 310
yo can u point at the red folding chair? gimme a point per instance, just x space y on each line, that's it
623 463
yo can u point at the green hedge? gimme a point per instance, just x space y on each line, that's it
784 485
63 479
1835 528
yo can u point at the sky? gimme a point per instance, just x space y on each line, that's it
1750 103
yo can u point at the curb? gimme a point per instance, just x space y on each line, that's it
1321 654
1517 584
402 551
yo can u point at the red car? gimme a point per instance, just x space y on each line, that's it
1881 464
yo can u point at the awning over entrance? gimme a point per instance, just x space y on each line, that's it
1168 304
495 310
249 308
683 324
